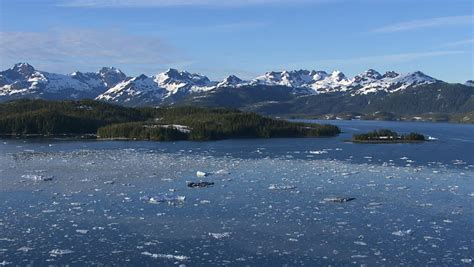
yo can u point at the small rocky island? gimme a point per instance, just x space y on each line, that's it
385 136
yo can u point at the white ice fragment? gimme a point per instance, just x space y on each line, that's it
59 252
402 232
82 231
358 256
166 256
318 152
37 178
360 243
220 235
222 172
24 249
48 211
170 199
281 187
201 174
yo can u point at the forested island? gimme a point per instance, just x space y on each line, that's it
106 121
387 136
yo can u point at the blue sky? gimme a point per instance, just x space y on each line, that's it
243 37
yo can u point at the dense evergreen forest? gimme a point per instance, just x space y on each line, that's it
386 135
40 117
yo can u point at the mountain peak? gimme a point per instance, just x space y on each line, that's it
338 75
390 74
23 68
108 70
230 80
141 77
111 76
371 73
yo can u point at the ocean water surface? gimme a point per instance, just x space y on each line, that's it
312 201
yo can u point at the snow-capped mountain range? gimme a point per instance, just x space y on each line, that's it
24 80
111 84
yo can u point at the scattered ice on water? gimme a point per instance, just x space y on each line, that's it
318 152
24 249
281 187
166 256
220 235
59 252
402 232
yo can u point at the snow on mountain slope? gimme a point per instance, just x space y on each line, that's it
469 83
24 80
138 89
334 82
390 82
230 81
369 81
175 81
111 84
297 78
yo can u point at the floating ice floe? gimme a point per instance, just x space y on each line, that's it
318 152
201 174
338 199
24 249
82 231
37 178
222 172
59 252
166 256
220 235
402 232
281 187
164 198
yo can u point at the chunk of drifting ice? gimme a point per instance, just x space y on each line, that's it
360 243
37 178
402 233
281 187
59 252
201 174
166 256
318 152
166 198
80 231
220 235
338 199
222 172
24 249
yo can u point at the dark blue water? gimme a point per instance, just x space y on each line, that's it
413 202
